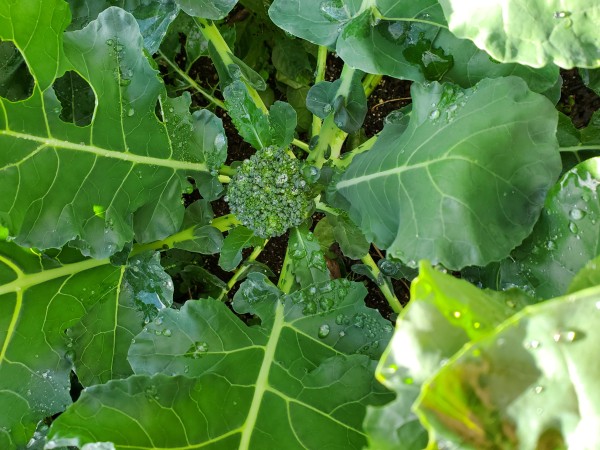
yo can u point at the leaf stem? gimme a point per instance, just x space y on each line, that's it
301 145
384 286
223 223
191 82
579 148
370 82
242 269
212 34
319 76
347 157
286 277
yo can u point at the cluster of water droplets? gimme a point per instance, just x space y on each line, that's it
197 350
122 73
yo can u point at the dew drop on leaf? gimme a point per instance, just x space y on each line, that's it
323 331
576 214
533 345
434 114
568 336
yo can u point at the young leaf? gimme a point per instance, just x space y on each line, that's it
444 314
257 128
140 162
531 384
237 240
295 375
456 185
307 262
564 36
347 102
351 240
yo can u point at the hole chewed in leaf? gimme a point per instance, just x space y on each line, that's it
16 82
76 98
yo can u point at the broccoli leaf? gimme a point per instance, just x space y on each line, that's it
237 240
564 239
153 18
444 314
295 377
534 33
119 177
530 384
40 298
464 183
207 9
306 261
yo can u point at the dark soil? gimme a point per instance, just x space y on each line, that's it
576 101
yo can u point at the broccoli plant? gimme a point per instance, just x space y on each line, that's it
206 240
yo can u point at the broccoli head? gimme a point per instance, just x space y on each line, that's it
269 193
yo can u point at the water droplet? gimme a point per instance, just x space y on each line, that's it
434 114
561 14
573 228
550 245
334 11
130 112
70 355
166 332
310 308
538 389
323 331
110 42
327 108
568 336
533 345
387 267
456 314
342 334
299 253
158 321
576 214
476 325
124 82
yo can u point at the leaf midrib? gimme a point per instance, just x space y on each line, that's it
105 153
262 381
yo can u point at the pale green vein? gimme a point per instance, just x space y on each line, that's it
262 382
23 281
105 153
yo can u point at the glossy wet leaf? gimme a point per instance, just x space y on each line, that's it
564 239
40 299
295 378
140 162
464 183
444 314
306 260
534 33
153 17
116 309
530 382
207 9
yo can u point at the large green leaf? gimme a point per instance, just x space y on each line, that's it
532 384
407 39
40 299
207 9
118 178
464 183
533 32
444 314
564 239
297 387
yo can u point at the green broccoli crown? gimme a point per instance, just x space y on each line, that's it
269 193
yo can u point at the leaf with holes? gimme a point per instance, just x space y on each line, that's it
121 176
464 183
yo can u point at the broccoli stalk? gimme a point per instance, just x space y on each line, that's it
269 194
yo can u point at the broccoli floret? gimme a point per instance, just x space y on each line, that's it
269 193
